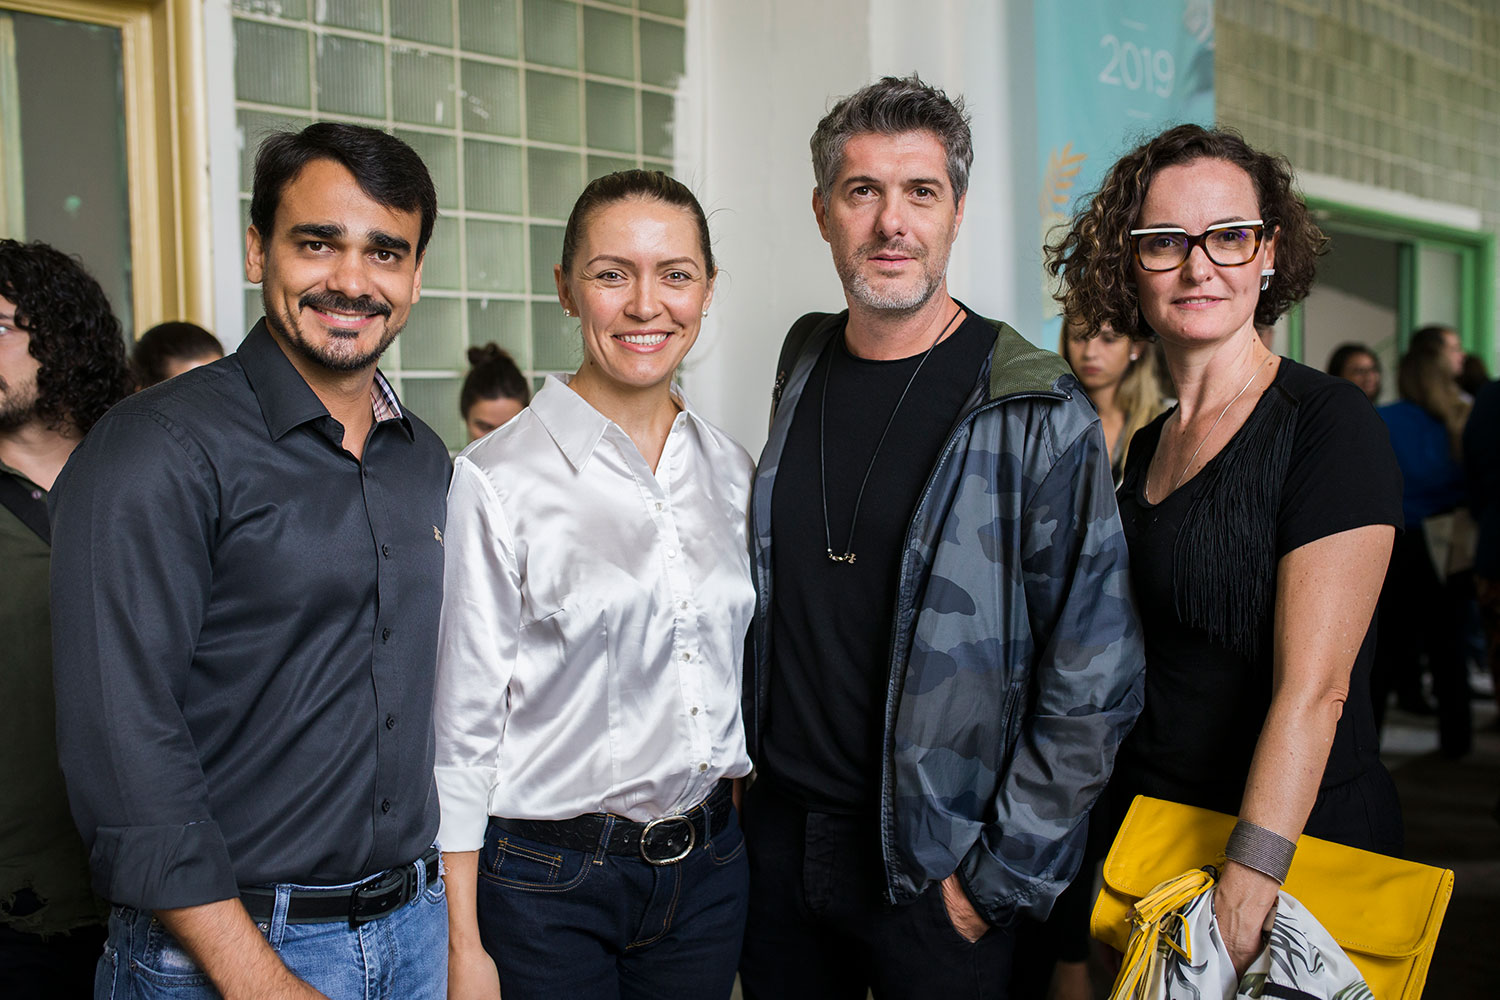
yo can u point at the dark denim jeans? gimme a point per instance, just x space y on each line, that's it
401 956
563 924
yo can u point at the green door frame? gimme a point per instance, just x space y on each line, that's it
1476 252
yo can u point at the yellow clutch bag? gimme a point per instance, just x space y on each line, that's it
1384 912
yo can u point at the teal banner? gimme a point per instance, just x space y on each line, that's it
1111 73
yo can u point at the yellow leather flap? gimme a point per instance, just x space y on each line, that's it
1370 903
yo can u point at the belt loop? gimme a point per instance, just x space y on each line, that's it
603 846
276 932
421 867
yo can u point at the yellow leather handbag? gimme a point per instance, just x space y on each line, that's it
1385 913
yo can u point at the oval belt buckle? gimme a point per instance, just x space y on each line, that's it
692 839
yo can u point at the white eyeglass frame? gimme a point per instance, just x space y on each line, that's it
1197 240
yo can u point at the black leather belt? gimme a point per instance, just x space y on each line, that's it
662 841
359 904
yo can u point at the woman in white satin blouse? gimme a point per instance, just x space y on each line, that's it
596 597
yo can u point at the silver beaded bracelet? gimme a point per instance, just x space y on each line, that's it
1264 850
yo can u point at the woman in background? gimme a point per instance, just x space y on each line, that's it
596 598
1424 605
1119 375
169 349
1359 365
493 391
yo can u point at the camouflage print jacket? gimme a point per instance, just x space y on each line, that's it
1016 656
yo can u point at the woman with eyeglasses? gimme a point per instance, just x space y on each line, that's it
1259 513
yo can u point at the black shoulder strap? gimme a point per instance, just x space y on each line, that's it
791 349
30 511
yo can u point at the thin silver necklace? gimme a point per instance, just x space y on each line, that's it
1253 376
848 556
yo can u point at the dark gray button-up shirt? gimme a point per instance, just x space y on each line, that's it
245 623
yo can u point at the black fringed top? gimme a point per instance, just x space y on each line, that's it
1312 460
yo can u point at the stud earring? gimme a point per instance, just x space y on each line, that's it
1135 355
567 311
705 312
1265 278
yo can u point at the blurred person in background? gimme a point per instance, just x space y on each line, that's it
1259 513
62 364
1359 365
596 597
1481 451
169 349
1119 375
1423 606
493 391
1474 375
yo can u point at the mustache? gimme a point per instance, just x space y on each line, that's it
334 302
893 246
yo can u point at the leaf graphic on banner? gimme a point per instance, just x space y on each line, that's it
1062 169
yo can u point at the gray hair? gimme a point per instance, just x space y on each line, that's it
891 107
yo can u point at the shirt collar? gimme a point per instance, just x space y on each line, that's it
574 424
286 400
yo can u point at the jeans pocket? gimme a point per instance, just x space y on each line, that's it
165 964
728 844
526 864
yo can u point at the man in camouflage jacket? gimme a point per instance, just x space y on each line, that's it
1012 653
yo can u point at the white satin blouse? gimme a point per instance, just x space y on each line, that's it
594 619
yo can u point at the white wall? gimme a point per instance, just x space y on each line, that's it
765 72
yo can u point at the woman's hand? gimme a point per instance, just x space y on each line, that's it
472 975
1244 906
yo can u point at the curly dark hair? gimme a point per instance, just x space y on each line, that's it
1094 260
74 335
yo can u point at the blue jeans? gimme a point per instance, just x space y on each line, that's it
562 924
401 956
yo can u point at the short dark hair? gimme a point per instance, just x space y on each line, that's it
74 335
892 106
1094 258
493 375
622 186
175 340
1344 353
386 169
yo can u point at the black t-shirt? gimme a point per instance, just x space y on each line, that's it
1205 703
831 621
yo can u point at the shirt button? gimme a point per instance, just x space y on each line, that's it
385 635
385 550
658 505
702 768
37 495
671 553
385 806
682 605
695 709
390 722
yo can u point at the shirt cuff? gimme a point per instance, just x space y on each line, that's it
464 794
162 867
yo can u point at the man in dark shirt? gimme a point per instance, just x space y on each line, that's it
62 364
246 579
945 655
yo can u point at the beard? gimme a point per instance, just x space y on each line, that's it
341 353
901 299
17 405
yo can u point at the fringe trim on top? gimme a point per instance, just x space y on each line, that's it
1224 559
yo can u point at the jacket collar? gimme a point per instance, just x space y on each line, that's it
286 400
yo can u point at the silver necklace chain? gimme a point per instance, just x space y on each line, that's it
1192 458
848 556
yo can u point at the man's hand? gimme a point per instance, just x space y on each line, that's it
966 920
226 944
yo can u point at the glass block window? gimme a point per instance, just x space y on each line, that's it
513 104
